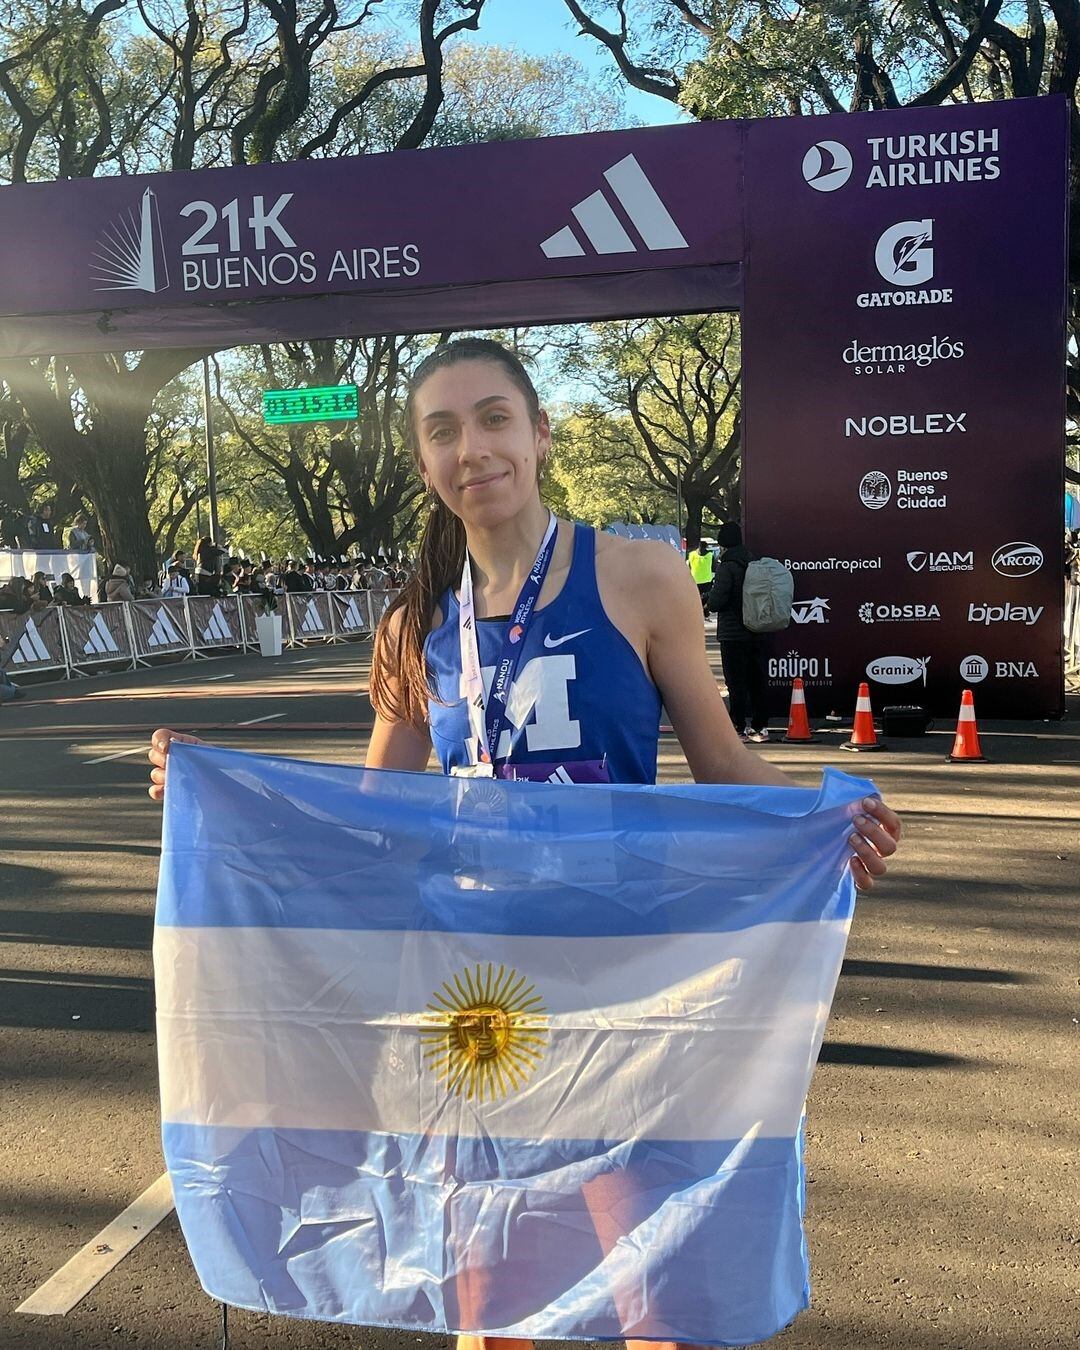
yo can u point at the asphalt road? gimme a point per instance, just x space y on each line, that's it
944 1118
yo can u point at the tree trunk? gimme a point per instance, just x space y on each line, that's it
114 474
694 507
107 458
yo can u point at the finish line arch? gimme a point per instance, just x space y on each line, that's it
901 279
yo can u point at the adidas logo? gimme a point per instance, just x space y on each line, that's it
100 640
351 618
31 648
312 623
164 632
603 228
217 630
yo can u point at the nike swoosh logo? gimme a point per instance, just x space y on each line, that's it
549 641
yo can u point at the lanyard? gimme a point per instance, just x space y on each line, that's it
486 719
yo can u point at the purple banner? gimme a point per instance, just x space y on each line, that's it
902 281
903 339
554 229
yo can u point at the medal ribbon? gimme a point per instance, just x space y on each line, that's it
486 718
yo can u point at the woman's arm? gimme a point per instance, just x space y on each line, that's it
398 745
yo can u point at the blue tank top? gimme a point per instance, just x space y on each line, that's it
581 692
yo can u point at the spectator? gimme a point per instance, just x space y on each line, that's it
307 577
178 559
292 580
38 530
1072 557
375 578
10 523
701 564
78 536
742 653
119 585
67 593
13 597
149 590
41 591
9 691
207 567
176 584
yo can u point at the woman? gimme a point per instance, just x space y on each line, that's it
78 536
40 591
616 624
15 596
119 586
67 593
207 566
597 632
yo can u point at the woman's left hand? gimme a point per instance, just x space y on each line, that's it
876 837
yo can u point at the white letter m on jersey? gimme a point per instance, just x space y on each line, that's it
541 690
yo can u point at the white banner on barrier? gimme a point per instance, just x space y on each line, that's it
309 616
95 633
31 641
379 604
160 626
350 609
215 623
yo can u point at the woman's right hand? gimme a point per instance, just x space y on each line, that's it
159 753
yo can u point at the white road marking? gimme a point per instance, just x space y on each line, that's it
230 676
119 754
252 720
74 1280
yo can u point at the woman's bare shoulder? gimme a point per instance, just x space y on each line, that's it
638 560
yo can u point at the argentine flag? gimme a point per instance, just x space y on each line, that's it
463 1054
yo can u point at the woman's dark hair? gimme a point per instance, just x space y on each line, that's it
441 555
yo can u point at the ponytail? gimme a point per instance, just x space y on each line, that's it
400 682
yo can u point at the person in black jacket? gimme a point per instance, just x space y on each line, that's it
741 652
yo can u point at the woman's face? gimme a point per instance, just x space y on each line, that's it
479 449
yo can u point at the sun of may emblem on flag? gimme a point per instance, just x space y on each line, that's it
490 1032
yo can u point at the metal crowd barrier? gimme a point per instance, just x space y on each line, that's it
1072 627
77 639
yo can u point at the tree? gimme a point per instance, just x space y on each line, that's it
667 408
351 485
84 91
588 477
760 58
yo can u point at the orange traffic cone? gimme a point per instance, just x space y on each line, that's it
798 727
966 748
863 735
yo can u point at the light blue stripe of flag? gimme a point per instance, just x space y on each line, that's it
642 1176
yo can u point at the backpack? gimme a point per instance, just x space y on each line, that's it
768 589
